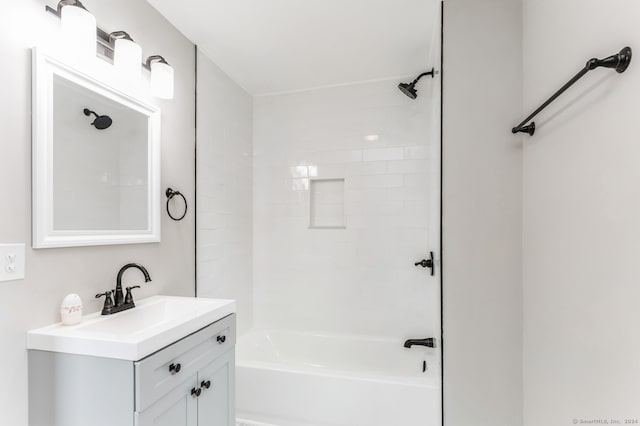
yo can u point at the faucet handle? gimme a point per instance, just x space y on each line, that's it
106 294
108 302
128 299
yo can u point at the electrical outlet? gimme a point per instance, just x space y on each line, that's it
12 262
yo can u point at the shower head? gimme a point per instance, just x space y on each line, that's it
101 122
409 89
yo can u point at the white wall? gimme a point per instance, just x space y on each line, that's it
482 213
53 273
358 280
581 210
224 187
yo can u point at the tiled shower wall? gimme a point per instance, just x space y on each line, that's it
224 209
360 279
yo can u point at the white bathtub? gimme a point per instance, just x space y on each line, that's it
289 378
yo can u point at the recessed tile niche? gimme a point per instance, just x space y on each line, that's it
327 204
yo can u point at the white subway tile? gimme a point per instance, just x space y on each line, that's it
387 154
331 279
334 157
375 181
408 166
299 171
416 152
417 180
366 168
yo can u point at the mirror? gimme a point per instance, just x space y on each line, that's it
96 153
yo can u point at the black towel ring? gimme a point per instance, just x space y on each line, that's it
170 193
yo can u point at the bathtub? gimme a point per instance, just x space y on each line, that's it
287 378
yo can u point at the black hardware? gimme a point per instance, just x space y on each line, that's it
409 89
175 368
429 342
119 295
620 62
121 303
128 298
196 392
428 263
221 339
101 122
424 366
206 384
108 302
170 193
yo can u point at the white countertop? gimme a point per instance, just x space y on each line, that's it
154 323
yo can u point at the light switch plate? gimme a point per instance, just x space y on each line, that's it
12 262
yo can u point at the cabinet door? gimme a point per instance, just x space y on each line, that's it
177 408
216 405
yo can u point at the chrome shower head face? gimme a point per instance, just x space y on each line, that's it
408 89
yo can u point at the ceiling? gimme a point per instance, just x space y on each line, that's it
272 46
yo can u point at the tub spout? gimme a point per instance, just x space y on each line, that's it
429 342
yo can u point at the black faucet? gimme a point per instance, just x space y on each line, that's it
429 342
122 302
119 296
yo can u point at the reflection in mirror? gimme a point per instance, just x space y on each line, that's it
99 163
96 159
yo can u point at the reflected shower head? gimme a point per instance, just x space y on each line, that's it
101 122
409 89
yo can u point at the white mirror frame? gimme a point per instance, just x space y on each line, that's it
44 235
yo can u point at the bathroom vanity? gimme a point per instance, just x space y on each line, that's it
168 362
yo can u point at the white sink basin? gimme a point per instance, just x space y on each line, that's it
154 323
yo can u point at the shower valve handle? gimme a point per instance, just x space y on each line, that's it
428 263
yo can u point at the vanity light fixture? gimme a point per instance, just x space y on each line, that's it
161 85
127 55
78 27
83 35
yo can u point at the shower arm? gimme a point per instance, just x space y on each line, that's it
424 74
88 112
619 61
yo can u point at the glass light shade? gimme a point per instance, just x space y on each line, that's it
161 80
127 59
79 31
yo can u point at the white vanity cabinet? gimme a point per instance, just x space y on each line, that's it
191 382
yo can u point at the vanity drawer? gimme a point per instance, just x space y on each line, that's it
159 373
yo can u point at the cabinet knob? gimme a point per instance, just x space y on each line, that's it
206 384
196 392
175 368
221 339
